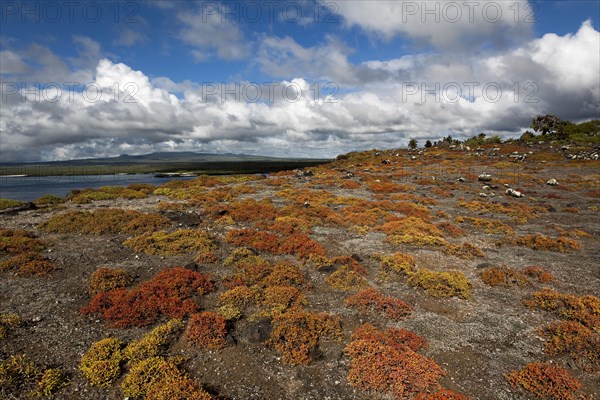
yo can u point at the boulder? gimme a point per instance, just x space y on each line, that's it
514 193
552 182
485 177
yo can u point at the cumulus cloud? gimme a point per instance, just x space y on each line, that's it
160 114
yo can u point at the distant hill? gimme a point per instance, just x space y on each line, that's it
161 162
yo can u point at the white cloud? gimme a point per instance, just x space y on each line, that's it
210 35
128 37
376 113
443 24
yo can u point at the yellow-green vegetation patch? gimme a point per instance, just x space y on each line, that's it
105 221
9 203
8 322
413 231
160 378
154 342
442 284
399 263
178 242
110 192
106 278
48 200
52 381
18 374
101 365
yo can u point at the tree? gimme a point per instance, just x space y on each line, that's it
412 144
549 123
428 143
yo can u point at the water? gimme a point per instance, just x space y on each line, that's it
29 188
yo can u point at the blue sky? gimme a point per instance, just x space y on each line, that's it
383 60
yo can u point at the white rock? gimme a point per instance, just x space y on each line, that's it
485 177
514 193
552 182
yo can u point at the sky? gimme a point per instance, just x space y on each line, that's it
304 78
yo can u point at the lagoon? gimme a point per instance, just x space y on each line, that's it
29 188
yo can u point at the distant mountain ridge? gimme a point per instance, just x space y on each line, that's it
162 157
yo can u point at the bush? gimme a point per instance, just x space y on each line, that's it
575 339
259 240
28 264
105 279
101 365
400 263
207 330
301 245
86 196
545 381
169 293
153 343
388 362
160 379
48 200
541 242
466 251
296 333
16 372
503 276
442 394
179 242
372 300
9 203
442 284
584 309
350 275
15 241
413 231
52 381
104 221
7 323
539 273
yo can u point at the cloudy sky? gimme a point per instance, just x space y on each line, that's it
286 78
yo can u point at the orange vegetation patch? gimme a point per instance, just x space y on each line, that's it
251 210
301 245
16 241
373 300
28 264
541 242
505 276
467 251
388 362
207 330
259 240
545 381
296 333
170 293
578 334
